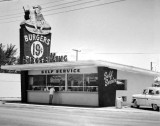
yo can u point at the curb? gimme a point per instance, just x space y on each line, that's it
127 109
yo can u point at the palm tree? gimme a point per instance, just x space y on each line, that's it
2 55
7 56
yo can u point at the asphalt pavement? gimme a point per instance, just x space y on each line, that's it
20 114
113 108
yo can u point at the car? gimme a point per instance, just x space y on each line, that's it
149 98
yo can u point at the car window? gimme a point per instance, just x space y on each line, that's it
151 92
145 91
157 92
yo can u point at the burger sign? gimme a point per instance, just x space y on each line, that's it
36 46
35 36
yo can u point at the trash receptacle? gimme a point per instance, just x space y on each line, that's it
119 102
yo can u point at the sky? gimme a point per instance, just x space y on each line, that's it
120 31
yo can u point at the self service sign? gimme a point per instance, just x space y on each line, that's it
36 46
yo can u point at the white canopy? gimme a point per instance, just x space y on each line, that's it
73 64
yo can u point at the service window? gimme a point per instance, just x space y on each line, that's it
91 82
37 82
121 84
56 80
75 82
83 82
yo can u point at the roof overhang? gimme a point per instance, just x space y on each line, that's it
74 64
47 66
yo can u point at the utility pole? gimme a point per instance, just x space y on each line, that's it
151 66
76 53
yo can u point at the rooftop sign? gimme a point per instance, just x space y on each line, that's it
35 38
51 58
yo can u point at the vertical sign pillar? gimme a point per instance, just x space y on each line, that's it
22 43
24 86
107 79
24 74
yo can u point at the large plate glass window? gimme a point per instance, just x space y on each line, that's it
56 80
37 82
91 82
75 82
83 82
121 84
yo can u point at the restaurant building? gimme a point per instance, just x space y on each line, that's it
82 83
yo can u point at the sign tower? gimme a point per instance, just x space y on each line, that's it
35 41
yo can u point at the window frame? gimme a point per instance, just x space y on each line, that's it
85 88
125 83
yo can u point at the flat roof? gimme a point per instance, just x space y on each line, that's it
74 64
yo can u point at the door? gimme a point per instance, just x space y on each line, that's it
142 100
149 97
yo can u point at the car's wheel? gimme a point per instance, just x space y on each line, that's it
155 107
135 104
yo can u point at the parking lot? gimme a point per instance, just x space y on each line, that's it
14 114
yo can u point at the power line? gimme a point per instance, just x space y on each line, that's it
112 53
12 15
85 7
74 9
53 2
40 4
130 53
43 7
4 0
10 21
72 5
20 13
